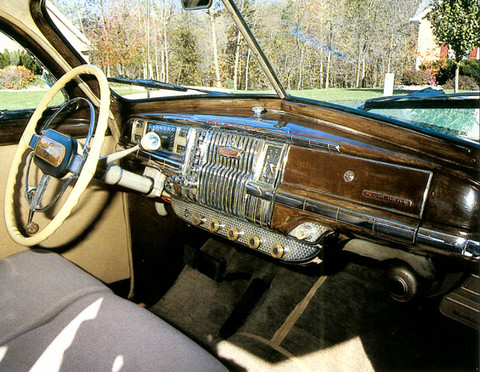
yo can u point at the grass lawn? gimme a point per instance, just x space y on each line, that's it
331 94
22 99
339 94
11 100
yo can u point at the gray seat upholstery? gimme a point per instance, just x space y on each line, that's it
54 315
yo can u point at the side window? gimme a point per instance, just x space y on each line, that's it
23 81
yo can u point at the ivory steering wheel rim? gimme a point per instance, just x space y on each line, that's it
87 171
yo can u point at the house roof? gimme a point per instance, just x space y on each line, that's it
423 9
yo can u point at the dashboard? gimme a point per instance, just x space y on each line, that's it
216 168
262 183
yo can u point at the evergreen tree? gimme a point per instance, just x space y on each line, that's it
4 59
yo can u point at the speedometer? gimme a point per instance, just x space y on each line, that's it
165 132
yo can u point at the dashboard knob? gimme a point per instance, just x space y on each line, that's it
151 141
233 233
304 232
196 219
213 225
253 241
277 250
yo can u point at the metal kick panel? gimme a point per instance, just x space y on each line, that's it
244 233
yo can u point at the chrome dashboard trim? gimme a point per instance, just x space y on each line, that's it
294 250
164 159
260 127
411 234
467 248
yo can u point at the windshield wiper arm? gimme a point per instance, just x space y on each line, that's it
150 83
427 98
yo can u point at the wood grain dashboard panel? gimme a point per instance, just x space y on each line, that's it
391 187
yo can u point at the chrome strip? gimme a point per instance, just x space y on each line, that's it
467 248
314 143
163 159
425 194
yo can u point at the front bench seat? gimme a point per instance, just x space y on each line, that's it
54 316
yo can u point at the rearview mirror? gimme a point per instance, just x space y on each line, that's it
196 4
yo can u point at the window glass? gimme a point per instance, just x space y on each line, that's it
23 82
144 40
366 51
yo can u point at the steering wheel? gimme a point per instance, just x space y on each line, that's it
59 156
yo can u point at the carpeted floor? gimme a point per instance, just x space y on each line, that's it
309 321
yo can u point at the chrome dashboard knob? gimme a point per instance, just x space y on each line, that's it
196 219
277 250
233 233
253 241
304 232
213 225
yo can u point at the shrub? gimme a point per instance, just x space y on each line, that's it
25 60
15 77
446 72
468 67
416 77
464 83
434 67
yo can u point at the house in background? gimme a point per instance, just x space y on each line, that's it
427 48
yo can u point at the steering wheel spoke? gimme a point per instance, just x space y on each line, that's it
36 194
57 156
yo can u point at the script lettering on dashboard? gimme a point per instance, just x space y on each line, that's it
389 198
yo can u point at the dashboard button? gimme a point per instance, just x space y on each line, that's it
232 233
277 250
304 232
213 225
253 241
196 219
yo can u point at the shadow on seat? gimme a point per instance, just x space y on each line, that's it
55 316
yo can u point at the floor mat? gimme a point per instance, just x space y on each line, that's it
308 322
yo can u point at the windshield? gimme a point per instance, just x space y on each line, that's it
342 51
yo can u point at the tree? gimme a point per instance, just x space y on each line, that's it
185 56
116 29
4 59
24 59
456 23
212 16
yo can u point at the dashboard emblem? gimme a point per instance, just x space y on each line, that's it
51 151
229 152
388 198
348 176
